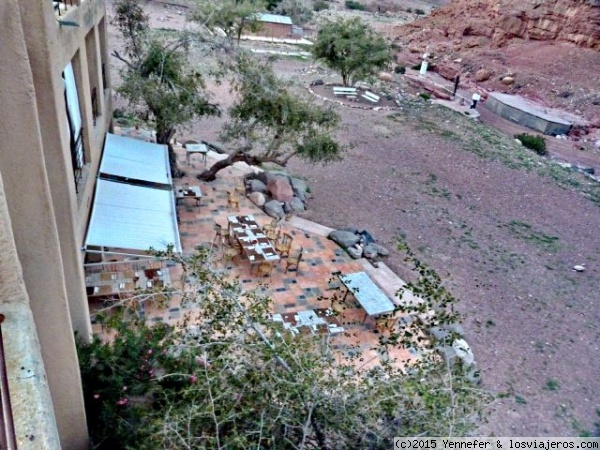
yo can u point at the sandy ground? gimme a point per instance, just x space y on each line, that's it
499 226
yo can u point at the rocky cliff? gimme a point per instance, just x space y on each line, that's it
499 21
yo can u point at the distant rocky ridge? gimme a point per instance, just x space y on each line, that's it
574 21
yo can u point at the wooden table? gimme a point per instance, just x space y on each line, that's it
372 299
255 245
117 284
183 192
190 149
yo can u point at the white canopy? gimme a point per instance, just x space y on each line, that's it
133 217
135 159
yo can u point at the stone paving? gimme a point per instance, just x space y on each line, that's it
293 291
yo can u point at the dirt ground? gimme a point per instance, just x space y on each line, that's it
502 226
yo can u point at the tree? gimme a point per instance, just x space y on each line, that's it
232 17
229 377
156 76
351 48
269 123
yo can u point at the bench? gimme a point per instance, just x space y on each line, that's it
370 96
344 91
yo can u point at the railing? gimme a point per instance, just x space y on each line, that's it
63 5
8 438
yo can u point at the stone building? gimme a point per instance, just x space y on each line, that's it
55 106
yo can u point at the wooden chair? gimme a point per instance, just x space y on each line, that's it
294 261
221 236
231 254
272 234
265 268
284 245
233 201
273 225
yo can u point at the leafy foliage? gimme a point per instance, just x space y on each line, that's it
351 48
229 377
353 4
270 123
232 17
156 77
534 142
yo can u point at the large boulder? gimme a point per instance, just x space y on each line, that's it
294 205
344 239
483 75
355 253
280 189
274 209
370 252
298 185
381 250
258 198
257 186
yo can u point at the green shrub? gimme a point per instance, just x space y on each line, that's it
535 143
320 5
400 69
416 66
419 12
352 4
425 95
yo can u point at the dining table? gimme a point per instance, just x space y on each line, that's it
256 247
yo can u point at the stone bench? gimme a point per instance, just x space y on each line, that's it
344 91
371 97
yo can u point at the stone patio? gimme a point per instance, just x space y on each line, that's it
291 292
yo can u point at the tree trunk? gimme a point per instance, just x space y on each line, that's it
210 173
164 136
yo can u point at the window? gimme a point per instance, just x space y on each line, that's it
74 122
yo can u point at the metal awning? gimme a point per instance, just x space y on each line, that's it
133 159
128 216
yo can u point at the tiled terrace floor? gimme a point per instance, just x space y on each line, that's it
293 291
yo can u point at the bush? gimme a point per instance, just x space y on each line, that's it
400 69
352 4
419 12
320 5
425 95
535 143
416 67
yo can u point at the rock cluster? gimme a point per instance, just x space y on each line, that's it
451 345
277 193
358 244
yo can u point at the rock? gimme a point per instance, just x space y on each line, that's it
258 198
579 268
257 186
518 141
317 83
280 189
386 76
370 251
381 250
354 252
483 75
508 80
344 239
473 375
274 209
299 187
455 328
463 351
350 229
294 205
438 333
447 353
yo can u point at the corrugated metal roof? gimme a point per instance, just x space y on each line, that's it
135 159
133 217
274 18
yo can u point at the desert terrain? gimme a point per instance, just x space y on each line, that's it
503 226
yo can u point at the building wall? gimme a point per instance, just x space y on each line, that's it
275 30
47 209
